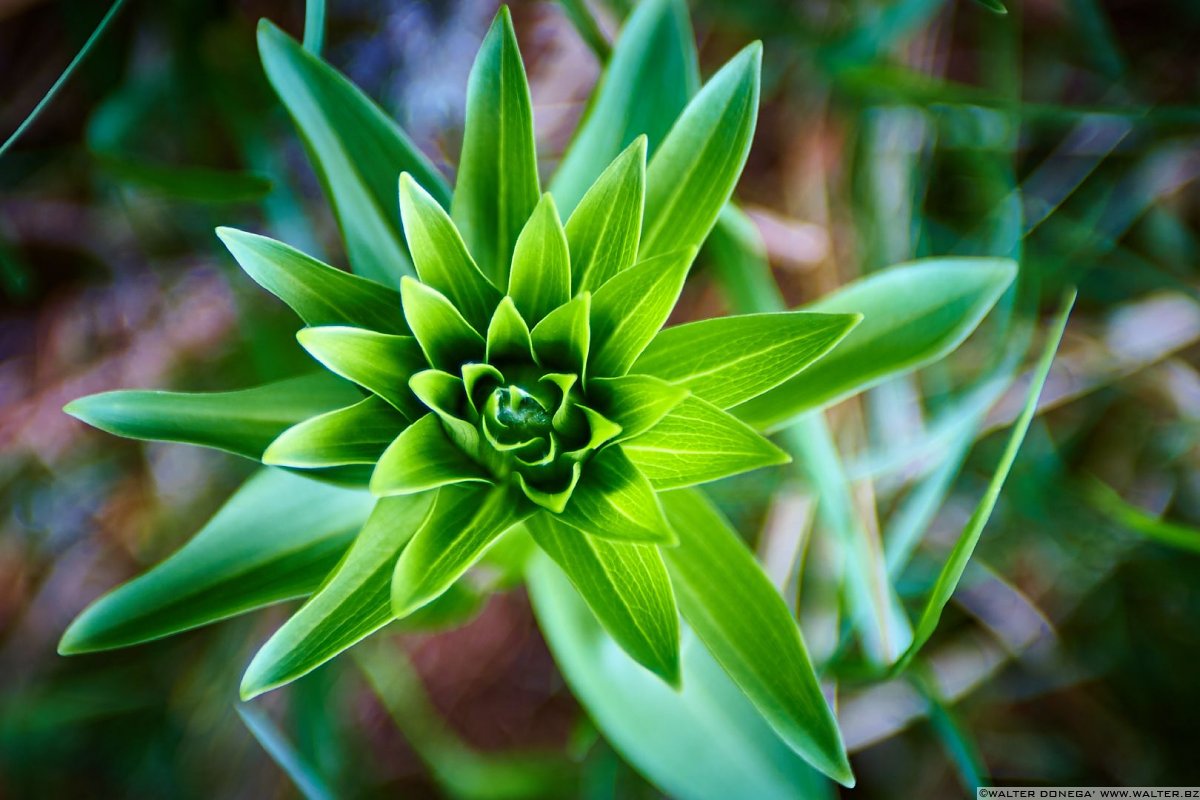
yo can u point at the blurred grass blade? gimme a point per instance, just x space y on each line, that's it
720 586
195 184
655 57
314 26
357 151
627 588
1116 508
303 776
276 538
913 314
956 741
242 422
105 21
995 6
705 741
587 27
965 546
354 601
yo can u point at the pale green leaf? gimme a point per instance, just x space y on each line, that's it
704 742
353 602
464 522
604 230
626 586
614 500
729 360
540 280
497 185
508 335
697 442
446 338
357 434
913 314
379 362
421 458
736 611
441 257
318 293
629 310
446 396
357 150
692 175
561 340
635 402
275 539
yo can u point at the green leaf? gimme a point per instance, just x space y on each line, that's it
729 360
561 340
194 184
697 442
629 309
357 434
650 77
692 175
497 186
421 458
464 522
540 280
1116 508
441 257
302 774
354 601
635 402
379 362
740 617
627 588
446 338
604 230
357 151
913 314
243 422
952 572
508 335
317 292
704 742
614 500
275 539
446 396
586 26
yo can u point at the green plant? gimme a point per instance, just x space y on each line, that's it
498 379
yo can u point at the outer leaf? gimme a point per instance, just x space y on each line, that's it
693 173
464 522
422 458
275 539
540 280
319 293
629 309
497 185
441 257
379 362
242 422
603 232
635 402
698 442
729 360
913 314
357 151
704 742
354 602
655 57
561 341
357 434
445 337
733 607
615 501
625 585
953 570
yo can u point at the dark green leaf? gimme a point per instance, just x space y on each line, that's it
497 186
357 434
625 585
195 184
562 339
446 396
276 538
740 617
540 280
635 402
446 338
421 458
628 310
319 293
615 501
379 362
604 230
698 442
354 601
729 360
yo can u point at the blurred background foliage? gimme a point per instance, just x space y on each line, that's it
1065 133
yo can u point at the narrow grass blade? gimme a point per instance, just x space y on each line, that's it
304 777
1171 534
